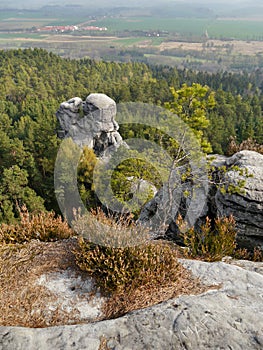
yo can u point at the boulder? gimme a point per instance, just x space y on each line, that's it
223 199
226 317
245 205
90 123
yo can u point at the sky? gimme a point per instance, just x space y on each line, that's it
36 3
219 7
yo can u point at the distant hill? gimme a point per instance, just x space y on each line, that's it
177 8
186 8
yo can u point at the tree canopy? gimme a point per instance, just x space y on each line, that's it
33 83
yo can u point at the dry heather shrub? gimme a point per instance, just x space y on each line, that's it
213 242
43 226
132 276
148 272
125 255
243 254
210 243
249 144
136 277
110 230
118 268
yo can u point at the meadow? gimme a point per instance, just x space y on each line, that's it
187 27
197 43
182 27
21 20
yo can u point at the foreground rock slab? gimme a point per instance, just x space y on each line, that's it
227 317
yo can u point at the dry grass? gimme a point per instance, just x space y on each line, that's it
103 344
22 302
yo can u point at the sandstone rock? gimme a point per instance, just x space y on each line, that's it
74 294
245 205
90 123
229 317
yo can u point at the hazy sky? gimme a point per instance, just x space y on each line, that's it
218 6
25 3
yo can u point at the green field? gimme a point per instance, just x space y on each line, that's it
173 25
154 41
217 29
20 36
183 28
237 29
15 19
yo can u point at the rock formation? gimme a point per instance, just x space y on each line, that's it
246 204
228 317
90 123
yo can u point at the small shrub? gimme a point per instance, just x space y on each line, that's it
43 226
111 230
210 243
249 144
132 276
213 242
243 254
119 268
257 255
116 266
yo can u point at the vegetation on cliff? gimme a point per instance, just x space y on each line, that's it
34 82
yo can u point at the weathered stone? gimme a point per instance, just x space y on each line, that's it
68 114
72 293
246 204
97 127
228 317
